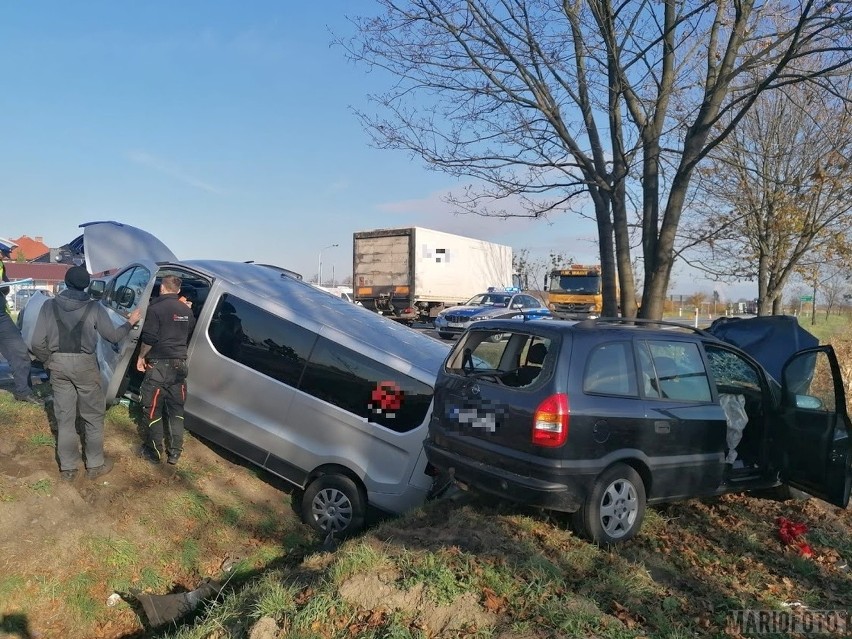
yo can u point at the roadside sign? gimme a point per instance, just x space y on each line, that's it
806 298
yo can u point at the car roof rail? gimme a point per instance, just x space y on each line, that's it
635 321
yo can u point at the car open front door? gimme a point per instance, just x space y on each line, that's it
130 289
815 454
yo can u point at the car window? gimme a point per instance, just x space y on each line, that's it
610 370
731 371
489 299
810 379
515 359
529 302
650 384
260 340
365 387
678 371
125 291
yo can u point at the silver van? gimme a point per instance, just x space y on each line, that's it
329 396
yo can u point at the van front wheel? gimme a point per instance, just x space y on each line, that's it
614 508
334 504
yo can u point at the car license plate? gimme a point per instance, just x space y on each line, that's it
455 325
476 419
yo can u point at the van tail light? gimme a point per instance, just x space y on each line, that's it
550 423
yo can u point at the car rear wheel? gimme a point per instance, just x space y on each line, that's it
445 335
334 503
614 508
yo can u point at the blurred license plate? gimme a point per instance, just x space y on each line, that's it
455 325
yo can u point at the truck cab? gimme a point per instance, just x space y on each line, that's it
575 292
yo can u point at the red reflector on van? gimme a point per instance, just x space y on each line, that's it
550 424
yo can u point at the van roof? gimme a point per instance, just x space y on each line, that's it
331 315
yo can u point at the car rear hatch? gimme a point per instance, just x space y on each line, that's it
490 391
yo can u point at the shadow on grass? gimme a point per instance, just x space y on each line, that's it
16 625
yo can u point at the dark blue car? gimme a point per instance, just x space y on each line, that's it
508 303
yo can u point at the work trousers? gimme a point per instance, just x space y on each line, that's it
12 347
76 383
164 386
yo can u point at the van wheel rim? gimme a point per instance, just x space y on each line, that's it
619 508
332 509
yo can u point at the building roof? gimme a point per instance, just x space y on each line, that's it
29 248
38 271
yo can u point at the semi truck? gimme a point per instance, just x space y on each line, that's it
575 292
411 274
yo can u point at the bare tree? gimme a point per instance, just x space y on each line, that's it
566 104
534 270
835 285
780 188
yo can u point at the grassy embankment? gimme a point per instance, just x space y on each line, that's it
478 569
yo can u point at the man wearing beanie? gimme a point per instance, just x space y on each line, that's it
12 345
65 339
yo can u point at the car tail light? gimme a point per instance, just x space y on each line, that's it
408 310
550 423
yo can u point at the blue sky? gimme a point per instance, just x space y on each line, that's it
223 128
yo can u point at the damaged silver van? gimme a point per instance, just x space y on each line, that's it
331 397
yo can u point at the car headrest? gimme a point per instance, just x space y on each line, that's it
537 353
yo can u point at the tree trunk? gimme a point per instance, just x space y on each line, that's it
626 280
603 218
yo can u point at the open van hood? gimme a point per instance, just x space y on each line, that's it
109 245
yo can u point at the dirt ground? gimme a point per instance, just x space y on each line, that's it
65 547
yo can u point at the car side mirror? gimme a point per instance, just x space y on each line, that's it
96 289
125 297
809 402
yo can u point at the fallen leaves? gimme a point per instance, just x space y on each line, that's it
630 619
492 602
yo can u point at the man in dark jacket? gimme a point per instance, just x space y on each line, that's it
12 345
65 338
162 356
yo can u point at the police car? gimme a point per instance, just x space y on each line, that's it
503 303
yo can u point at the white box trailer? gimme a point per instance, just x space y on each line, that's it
412 273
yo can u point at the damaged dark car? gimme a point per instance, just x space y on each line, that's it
602 417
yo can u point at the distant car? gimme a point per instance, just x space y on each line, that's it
601 417
343 292
506 303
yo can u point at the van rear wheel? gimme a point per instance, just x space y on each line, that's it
614 508
334 504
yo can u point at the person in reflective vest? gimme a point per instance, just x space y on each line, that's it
12 345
